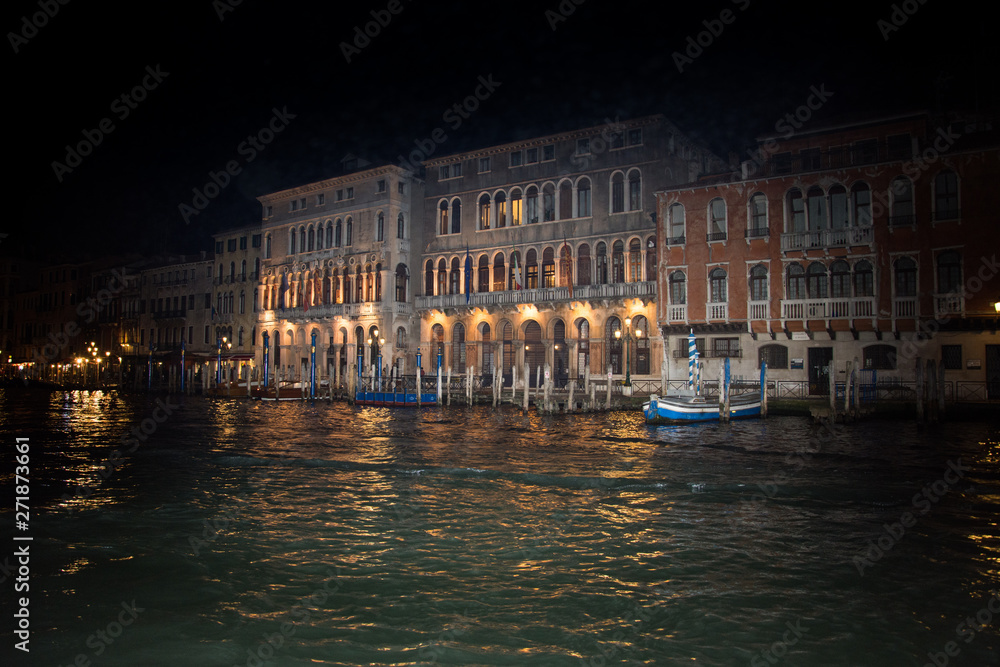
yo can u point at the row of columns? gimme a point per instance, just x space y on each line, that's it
336 295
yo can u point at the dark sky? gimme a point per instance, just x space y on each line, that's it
605 59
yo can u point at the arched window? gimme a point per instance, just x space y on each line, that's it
640 327
548 268
905 277
312 239
816 281
531 269
880 357
583 265
840 280
861 200
795 281
349 239
817 209
902 202
455 277
337 297
359 286
348 291
946 206
838 207
613 344
796 211
618 192
484 274
507 351
566 266
516 207
484 211
864 279
949 273
369 283
243 270
500 201
319 236
531 205
291 242
718 226
458 360
499 273
443 219
534 350
442 287
329 234
400 226
758 283
678 288
429 278
583 201
400 337
717 285
635 261
338 238
267 247
380 226
548 202
675 224
456 217
634 190
565 201
437 345
302 239
602 263
402 275
618 262
560 354
378 282
775 355
243 302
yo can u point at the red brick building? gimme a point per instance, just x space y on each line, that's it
874 240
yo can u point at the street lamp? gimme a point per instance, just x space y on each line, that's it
628 344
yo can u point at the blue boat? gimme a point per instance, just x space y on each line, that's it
688 405
396 399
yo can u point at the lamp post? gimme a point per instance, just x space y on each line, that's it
265 337
312 366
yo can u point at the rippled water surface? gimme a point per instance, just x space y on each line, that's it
242 533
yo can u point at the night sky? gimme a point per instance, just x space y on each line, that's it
220 80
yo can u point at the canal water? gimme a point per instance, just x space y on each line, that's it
249 533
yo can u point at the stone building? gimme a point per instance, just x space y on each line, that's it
545 251
337 257
872 240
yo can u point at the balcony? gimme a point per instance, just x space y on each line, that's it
759 310
904 307
676 240
828 309
947 305
717 311
645 289
322 311
715 236
827 238
677 312
949 214
902 220
759 233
